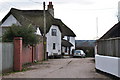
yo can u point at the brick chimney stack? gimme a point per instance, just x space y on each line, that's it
51 9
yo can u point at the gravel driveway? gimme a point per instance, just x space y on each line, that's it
61 68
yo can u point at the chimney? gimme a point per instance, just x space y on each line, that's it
51 9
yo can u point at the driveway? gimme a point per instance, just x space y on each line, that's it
61 68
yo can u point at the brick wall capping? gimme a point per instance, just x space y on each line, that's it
17 38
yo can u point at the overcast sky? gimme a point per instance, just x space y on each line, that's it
78 15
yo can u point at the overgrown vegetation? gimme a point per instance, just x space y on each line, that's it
26 32
89 51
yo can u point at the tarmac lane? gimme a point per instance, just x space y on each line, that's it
61 68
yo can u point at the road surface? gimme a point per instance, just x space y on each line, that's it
61 68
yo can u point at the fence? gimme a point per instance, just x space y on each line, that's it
13 56
7 57
39 52
109 47
27 54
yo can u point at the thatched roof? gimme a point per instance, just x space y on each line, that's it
35 17
113 32
66 43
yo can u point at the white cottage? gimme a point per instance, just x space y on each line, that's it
70 47
54 41
56 30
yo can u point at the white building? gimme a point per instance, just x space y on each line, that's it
55 28
107 51
67 50
54 41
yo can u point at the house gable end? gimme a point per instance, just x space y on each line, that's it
10 19
53 41
54 27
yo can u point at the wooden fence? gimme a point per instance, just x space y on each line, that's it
109 47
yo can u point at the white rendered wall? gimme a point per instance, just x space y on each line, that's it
63 49
65 38
72 40
108 64
53 39
9 21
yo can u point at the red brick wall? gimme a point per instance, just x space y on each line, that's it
26 54
30 54
17 54
39 54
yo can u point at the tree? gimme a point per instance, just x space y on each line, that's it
26 32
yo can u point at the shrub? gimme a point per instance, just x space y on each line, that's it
26 32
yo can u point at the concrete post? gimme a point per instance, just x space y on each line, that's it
17 53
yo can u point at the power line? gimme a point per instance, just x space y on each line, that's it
78 9
7 7
10 4
35 2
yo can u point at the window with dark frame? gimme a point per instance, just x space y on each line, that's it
68 38
54 46
54 32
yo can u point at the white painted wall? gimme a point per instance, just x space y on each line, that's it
53 39
38 32
63 49
108 64
9 21
72 41
65 38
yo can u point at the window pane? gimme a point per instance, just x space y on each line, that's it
54 32
53 45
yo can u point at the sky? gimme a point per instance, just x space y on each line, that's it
89 19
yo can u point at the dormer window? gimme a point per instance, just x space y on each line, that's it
54 32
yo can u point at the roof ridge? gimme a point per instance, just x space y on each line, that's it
36 18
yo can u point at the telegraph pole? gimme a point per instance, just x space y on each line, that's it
44 37
96 27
